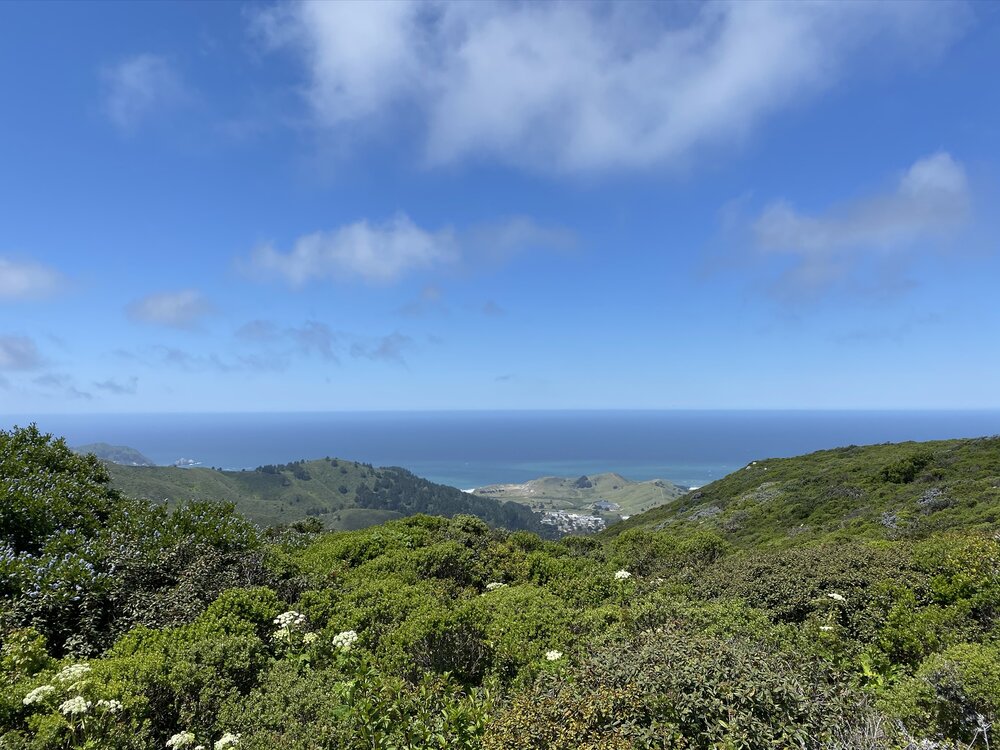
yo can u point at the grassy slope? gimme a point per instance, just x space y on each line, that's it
844 493
562 493
337 492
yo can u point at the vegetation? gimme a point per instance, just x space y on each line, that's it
342 495
125 625
610 495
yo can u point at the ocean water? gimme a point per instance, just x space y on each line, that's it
472 449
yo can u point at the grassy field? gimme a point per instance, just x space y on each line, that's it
580 495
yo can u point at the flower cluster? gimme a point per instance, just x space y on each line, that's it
345 640
288 623
553 655
180 740
75 706
495 585
837 597
622 575
227 740
111 706
73 672
38 694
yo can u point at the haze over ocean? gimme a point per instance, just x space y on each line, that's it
473 448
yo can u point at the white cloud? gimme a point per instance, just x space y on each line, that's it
930 202
21 280
388 348
574 86
181 309
138 88
18 353
377 253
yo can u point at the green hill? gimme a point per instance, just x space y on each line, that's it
343 495
905 490
116 454
620 496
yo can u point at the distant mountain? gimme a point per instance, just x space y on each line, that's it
342 494
116 454
903 490
609 494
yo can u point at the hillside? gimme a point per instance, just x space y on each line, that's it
580 494
341 494
905 490
116 454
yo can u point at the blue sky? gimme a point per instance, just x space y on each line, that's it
242 207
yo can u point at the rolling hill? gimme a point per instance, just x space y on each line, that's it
891 491
617 495
343 495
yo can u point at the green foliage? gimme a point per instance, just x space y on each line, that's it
683 631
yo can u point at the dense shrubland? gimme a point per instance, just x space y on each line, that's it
124 625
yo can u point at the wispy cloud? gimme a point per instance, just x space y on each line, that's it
64 383
575 86
388 348
385 253
19 353
181 309
21 280
138 88
127 388
376 253
312 337
929 204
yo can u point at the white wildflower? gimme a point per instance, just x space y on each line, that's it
73 672
826 628
553 655
495 585
38 694
290 620
310 638
181 739
837 597
622 575
345 640
74 706
227 740
112 706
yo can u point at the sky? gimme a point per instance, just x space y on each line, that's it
420 205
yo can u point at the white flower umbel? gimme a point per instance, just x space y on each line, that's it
345 640
73 672
290 620
74 706
495 585
227 740
553 655
180 740
622 575
111 706
837 597
38 694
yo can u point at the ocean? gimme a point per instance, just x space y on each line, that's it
472 449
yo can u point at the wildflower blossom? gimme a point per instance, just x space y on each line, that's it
495 585
290 620
227 740
553 655
73 672
181 739
345 640
826 628
622 575
837 597
310 638
112 706
74 706
38 694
